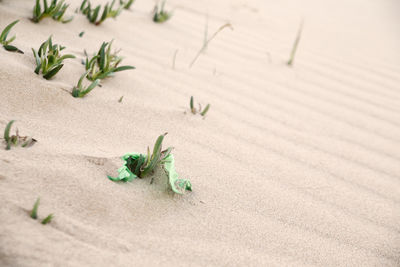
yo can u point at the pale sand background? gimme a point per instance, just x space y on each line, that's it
293 166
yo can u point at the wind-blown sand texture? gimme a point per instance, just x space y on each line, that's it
293 166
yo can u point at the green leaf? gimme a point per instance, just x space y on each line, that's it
203 113
35 209
123 68
6 31
12 48
7 134
52 72
48 219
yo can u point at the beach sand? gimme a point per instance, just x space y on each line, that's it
292 166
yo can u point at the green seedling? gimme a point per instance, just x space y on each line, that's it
160 15
34 213
92 14
15 140
104 63
296 43
80 91
126 4
47 219
145 165
120 99
206 42
35 209
194 110
81 34
48 58
5 42
55 10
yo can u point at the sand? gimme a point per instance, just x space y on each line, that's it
293 166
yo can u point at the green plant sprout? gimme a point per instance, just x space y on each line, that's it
48 58
5 42
296 43
34 213
140 166
127 4
80 91
92 14
160 15
144 165
55 10
104 63
35 209
15 140
81 34
47 219
120 99
206 42
199 110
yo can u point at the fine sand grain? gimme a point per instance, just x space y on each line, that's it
293 166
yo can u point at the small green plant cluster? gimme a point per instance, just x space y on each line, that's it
145 164
80 91
104 63
160 15
199 110
126 4
48 58
15 140
5 42
55 10
92 14
34 212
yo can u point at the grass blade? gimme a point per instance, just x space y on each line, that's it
296 43
47 219
7 134
35 209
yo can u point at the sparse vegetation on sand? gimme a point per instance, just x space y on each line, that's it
15 140
295 45
93 14
105 63
55 10
34 213
6 43
79 90
48 58
159 13
140 166
194 110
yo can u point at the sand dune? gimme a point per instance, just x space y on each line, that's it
293 166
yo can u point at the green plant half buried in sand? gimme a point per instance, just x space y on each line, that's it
34 213
48 58
79 90
160 15
140 166
199 110
55 10
104 63
5 42
92 14
15 140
